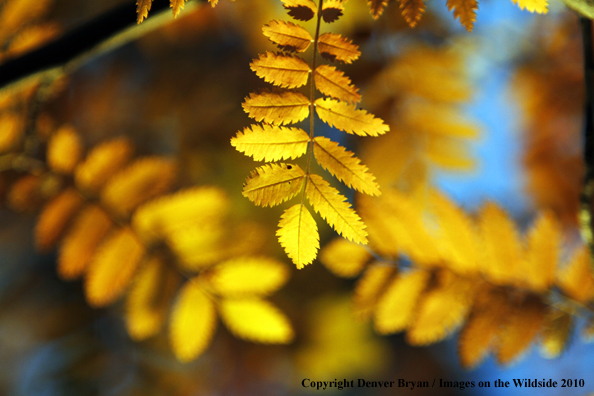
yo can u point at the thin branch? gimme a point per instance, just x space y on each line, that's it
104 33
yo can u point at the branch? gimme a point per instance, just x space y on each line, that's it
104 33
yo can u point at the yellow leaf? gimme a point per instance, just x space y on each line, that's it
287 35
442 309
333 46
177 6
445 121
465 11
271 143
142 9
332 206
198 246
213 3
376 7
256 320
480 332
543 253
142 180
332 10
370 287
102 163
286 71
55 217
345 166
272 184
243 276
556 332
188 208
332 82
349 119
344 258
523 324
82 240
286 107
576 279
412 10
147 303
25 194
538 6
193 322
501 247
113 267
298 235
448 153
12 129
64 150
302 10
31 38
396 308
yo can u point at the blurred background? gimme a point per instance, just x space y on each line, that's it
514 83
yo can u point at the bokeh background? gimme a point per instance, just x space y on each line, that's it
178 90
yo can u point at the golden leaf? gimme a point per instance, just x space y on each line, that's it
64 150
501 247
285 71
396 308
81 242
148 300
256 320
287 35
345 166
188 208
12 129
556 332
412 10
302 10
142 9
55 217
333 46
15 14
24 195
213 3
332 82
332 10
272 184
370 287
286 107
104 161
538 6
542 253
465 11
376 7
344 258
522 326
142 180
298 235
442 309
349 119
177 6
112 268
198 246
334 208
193 322
31 38
243 276
271 142
576 278
480 332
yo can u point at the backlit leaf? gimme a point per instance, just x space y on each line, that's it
333 46
285 71
376 7
302 10
64 150
286 107
256 320
298 235
177 6
193 322
12 128
55 217
543 252
344 258
412 10
344 166
272 184
576 279
287 35
332 10
113 267
142 9
332 206
271 142
465 11
370 287
332 82
25 194
538 6
349 119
